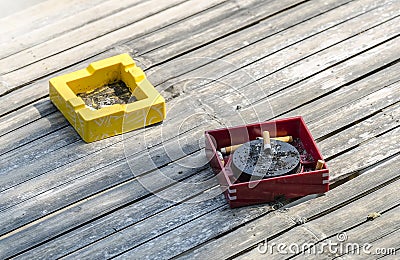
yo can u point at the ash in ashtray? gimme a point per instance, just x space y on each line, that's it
107 95
270 163
304 155
251 160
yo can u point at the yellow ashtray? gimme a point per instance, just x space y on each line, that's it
145 107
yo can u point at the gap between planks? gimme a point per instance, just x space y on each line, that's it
39 127
90 48
260 229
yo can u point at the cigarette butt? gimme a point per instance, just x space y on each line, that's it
221 158
286 139
230 149
320 164
267 142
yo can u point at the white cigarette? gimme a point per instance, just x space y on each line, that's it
267 142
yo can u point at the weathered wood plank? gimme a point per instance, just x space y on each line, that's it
333 223
39 148
153 152
45 132
46 163
376 233
250 95
166 248
370 103
144 206
361 132
162 223
102 43
154 165
356 159
262 30
39 15
72 155
235 94
321 83
348 92
87 49
260 229
263 47
184 40
349 170
62 26
25 115
23 135
381 247
157 224
122 218
325 33
85 33
362 153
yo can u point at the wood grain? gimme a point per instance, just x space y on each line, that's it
47 163
59 27
90 48
321 36
384 244
145 205
334 62
222 47
378 233
260 229
328 226
36 16
349 169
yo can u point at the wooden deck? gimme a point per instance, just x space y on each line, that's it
149 193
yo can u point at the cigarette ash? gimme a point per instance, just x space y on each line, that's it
251 159
107 95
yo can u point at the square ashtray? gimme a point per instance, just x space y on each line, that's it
118 98
238 192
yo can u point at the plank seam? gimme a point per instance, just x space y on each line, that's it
334 208
341 86
73 46
299 23
225 35
30 82
110 212
346 230
361 143
101 52
326 136
327 68
74 28
164 210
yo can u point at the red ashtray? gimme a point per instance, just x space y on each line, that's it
242 193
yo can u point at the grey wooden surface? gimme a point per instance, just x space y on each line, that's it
149 193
